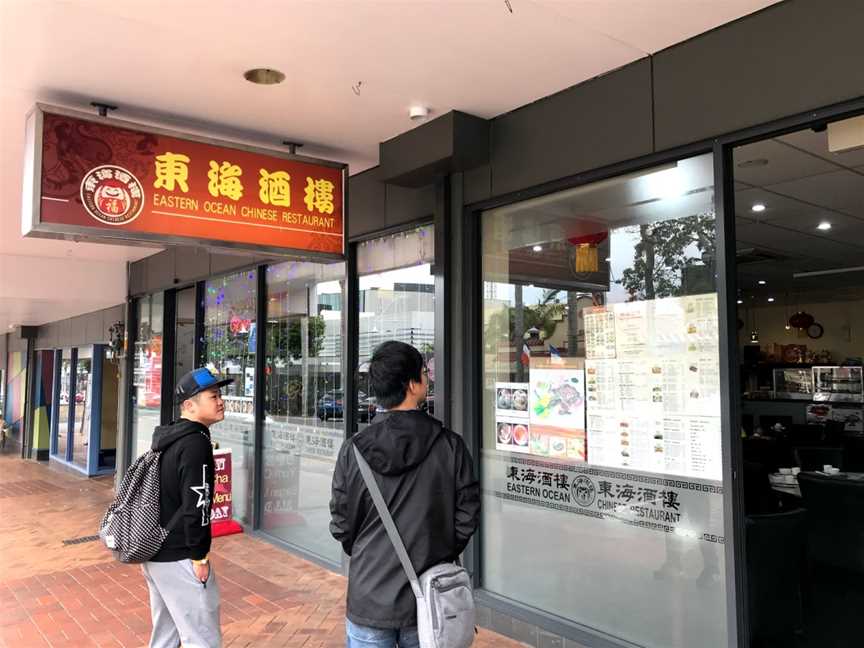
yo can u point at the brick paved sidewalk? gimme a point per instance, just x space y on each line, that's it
53 594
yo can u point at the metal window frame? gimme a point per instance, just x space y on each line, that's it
70 426
55 400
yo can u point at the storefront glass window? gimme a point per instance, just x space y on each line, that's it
109 423
62 431
147 380
83 406
601 458
304 421
229 351
397 302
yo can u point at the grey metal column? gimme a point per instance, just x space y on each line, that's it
442 269
736 563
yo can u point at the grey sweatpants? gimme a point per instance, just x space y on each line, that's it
184 611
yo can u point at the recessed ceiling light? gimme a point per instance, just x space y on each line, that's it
824 226
537 248
770 299
758 207
264 76
762 282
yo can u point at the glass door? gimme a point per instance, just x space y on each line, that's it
147 379
61 431
229 340
304 419
83 406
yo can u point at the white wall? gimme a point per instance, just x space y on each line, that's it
843 323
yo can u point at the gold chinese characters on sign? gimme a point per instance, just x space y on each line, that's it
224 180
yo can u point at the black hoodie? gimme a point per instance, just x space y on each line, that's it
186 480
426 477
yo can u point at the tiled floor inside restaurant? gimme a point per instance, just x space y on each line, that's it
58 594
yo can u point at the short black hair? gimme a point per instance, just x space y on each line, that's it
393 366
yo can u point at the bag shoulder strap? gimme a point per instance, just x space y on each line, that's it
387 520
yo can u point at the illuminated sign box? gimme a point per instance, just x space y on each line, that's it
93 178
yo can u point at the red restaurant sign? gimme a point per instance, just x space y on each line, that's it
93 177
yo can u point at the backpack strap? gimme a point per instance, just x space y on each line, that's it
387 520
178 514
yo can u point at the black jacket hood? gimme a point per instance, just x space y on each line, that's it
165 435
398 441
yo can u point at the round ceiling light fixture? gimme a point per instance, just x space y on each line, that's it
264 76
824 226
758 207
761 282
418 112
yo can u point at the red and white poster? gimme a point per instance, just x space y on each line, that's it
221 518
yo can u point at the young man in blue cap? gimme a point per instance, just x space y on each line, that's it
184 594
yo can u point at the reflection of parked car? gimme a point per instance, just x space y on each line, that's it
330 406
367 406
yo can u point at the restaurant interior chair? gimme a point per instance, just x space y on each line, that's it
762 450
853 444
814 458
776 559
835 521
759 498
834 432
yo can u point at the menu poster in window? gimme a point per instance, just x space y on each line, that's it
631 329
599 333
556 404
511 417
670 326
701 315
682 445
601 388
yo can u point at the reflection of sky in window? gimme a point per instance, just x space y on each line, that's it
421 274
623 241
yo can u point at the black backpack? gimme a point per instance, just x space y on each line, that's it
131 527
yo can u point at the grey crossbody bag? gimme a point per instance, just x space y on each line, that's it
445 601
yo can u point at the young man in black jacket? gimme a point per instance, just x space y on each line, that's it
184 595
427 480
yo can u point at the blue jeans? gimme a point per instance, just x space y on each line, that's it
365 637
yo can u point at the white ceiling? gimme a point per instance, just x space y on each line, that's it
801 184
180 64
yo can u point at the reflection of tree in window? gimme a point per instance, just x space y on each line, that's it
665 256
544 316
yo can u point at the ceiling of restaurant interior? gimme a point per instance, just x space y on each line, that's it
801 184
353 68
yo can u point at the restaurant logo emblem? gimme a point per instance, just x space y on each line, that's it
583 491
112 195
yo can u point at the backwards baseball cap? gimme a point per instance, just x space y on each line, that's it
197 381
